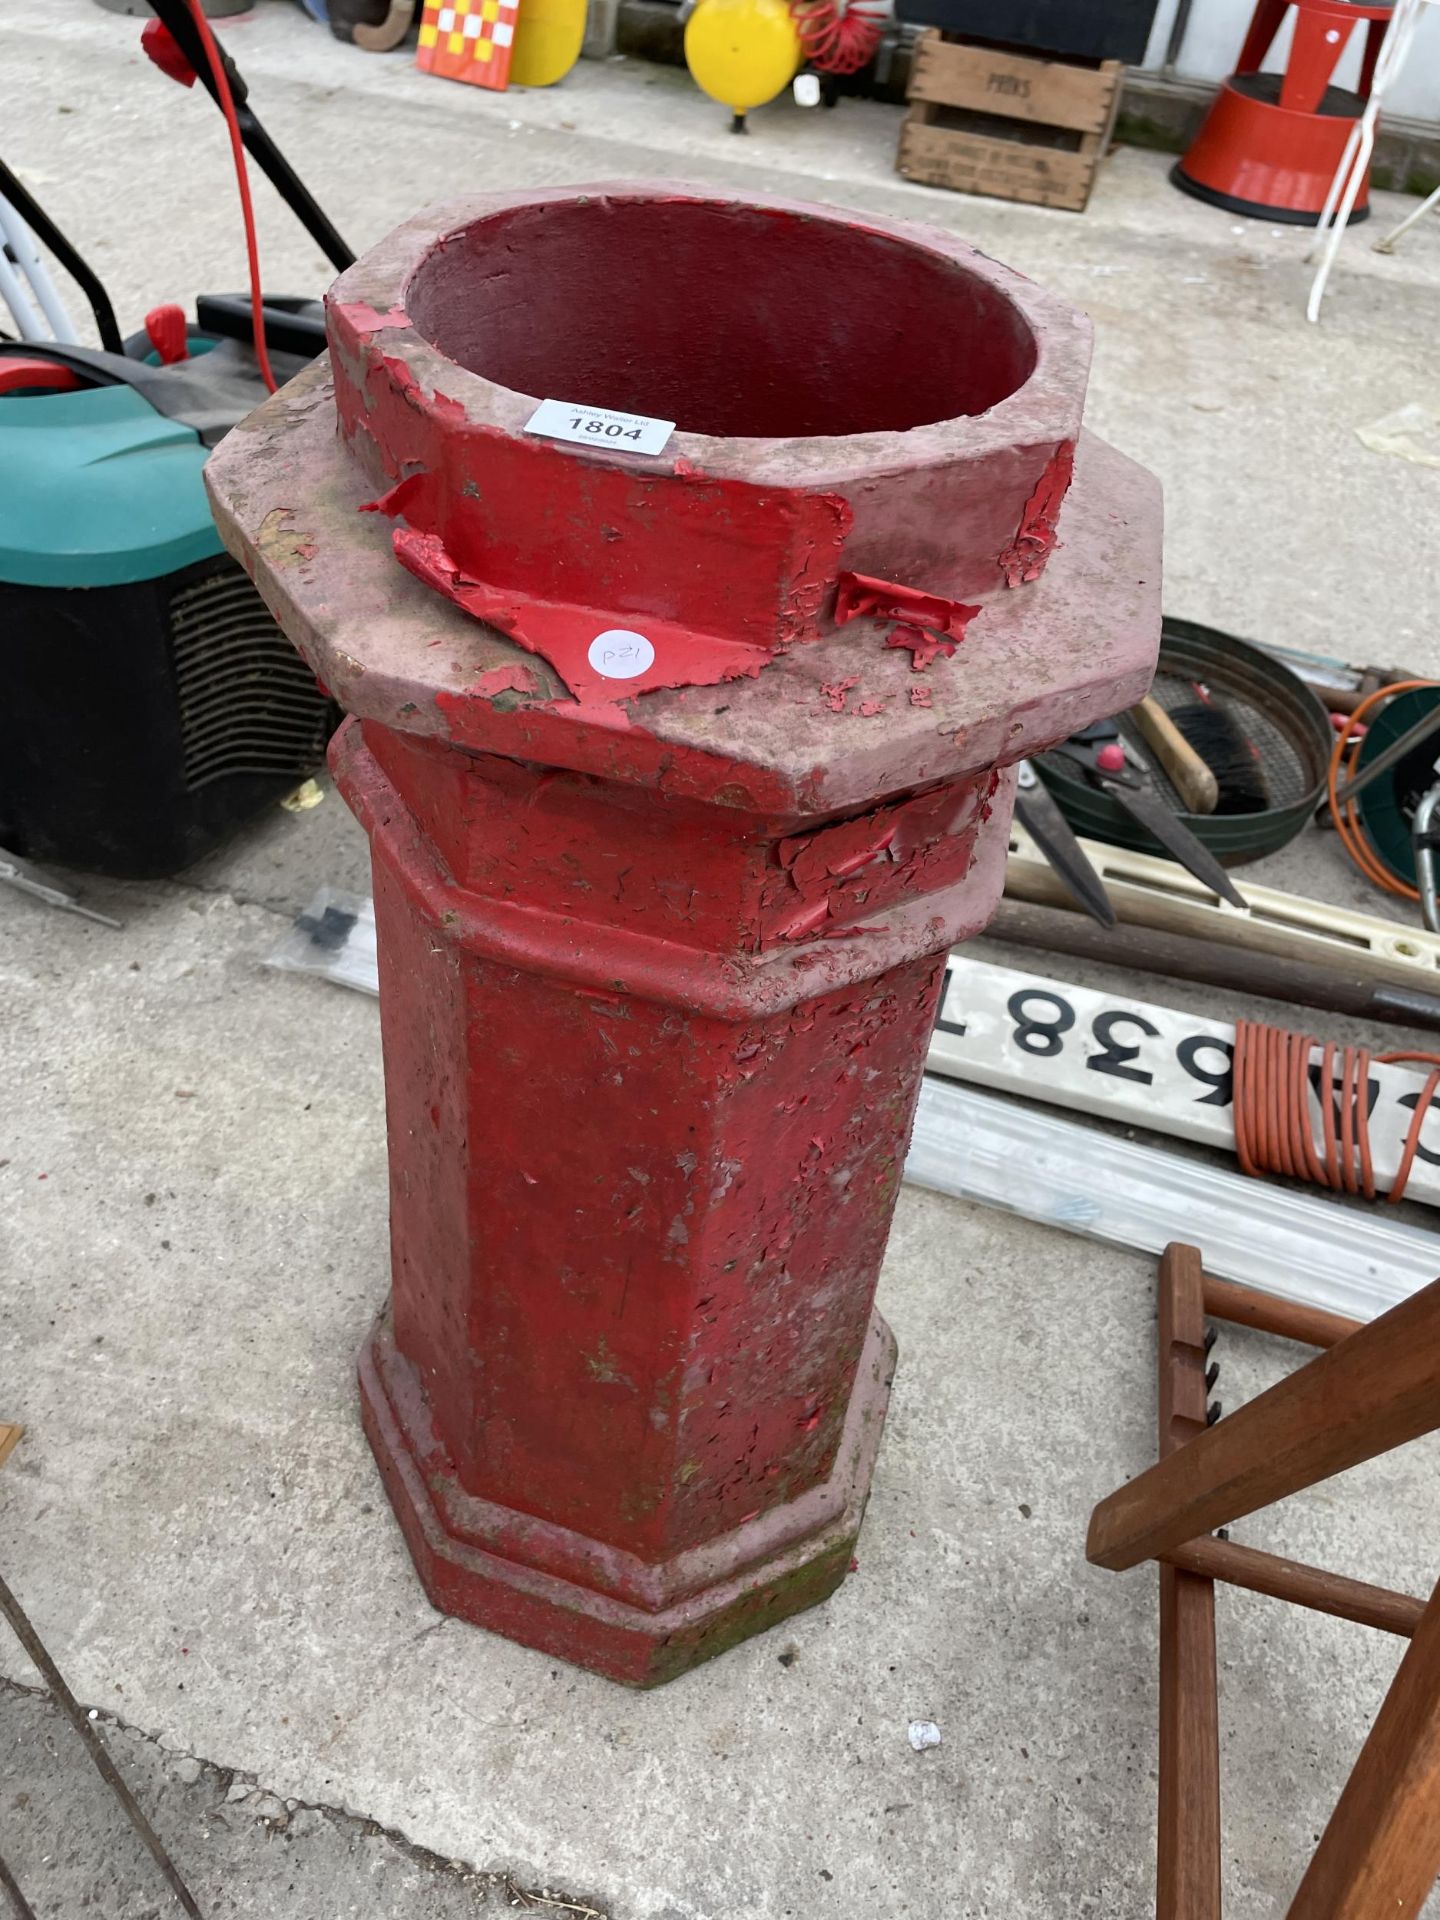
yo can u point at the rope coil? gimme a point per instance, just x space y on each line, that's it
1273 1129
836 41
1347 818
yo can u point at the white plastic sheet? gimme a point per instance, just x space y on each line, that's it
333 938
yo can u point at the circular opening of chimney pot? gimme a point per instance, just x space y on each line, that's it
738 322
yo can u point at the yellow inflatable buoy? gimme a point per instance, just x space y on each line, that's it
741 52
547 41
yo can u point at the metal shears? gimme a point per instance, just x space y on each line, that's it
1110 763
1040 816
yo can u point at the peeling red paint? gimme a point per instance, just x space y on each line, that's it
511 679
858 597
568 636
805 920
924 646
1024 559
365 320
721 569
395 500
616 1403
921 696
843 865
860 866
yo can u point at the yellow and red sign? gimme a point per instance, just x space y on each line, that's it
468 40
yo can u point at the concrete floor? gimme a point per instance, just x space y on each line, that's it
240 1850
192 1195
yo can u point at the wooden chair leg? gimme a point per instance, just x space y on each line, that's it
1187 1863
1187 1848
1380 1854
1371 1392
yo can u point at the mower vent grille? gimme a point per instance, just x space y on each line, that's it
248 703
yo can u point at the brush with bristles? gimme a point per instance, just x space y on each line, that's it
1229 752
1186 771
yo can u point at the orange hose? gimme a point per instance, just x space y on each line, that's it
1273 1129
1347 818
242 181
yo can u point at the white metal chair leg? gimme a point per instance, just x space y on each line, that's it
16 296
1342 175
1365 147
1345 187
21 241
1386 242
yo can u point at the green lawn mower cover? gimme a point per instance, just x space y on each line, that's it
151 703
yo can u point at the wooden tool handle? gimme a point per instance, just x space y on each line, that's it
1188 773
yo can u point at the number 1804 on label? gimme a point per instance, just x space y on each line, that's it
600 427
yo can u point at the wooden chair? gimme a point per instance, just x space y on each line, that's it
1375 1387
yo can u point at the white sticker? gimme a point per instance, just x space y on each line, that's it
618 654
600 427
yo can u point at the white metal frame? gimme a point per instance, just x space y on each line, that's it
26 286
1064 1173
1386 242
1345 187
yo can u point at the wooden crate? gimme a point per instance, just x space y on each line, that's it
1007 124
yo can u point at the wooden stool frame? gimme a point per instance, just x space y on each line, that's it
1375 1387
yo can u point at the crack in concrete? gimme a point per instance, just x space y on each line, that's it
236 898
236 1788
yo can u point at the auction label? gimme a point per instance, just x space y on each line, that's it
600 427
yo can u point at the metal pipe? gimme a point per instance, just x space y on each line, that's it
74 262
16 296
9 1885
176 17
1422 838
27 257
1175 956
1178 28
1386 242
95 1746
